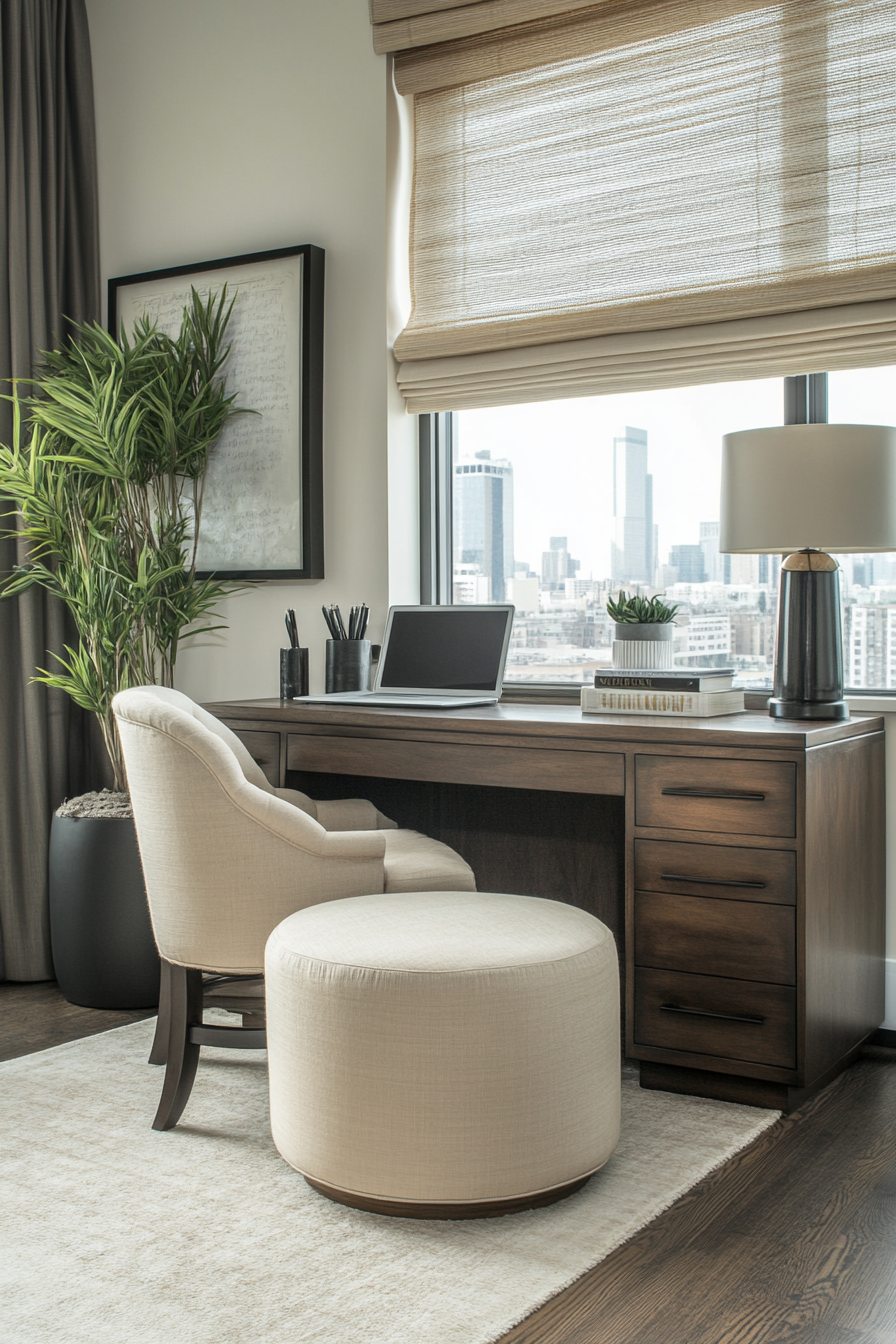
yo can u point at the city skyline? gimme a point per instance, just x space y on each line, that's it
561 452
728 602
485 561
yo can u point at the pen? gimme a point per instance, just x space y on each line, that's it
357 621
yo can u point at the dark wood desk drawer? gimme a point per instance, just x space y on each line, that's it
703 793
726 871
453 763
708 1015
264 748
741 939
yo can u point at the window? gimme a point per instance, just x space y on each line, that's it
557 505
868 582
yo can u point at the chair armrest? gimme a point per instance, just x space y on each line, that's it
351 814
294 825
354 845
299 800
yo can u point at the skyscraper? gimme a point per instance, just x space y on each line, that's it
689 562
633 553
713 563
557 565
483 520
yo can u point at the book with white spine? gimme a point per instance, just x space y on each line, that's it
673 704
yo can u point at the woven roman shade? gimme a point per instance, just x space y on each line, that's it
402 24
641 194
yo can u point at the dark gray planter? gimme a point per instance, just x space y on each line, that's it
103 948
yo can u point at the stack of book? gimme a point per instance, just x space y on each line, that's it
676 691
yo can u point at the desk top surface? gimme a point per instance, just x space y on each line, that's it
547 720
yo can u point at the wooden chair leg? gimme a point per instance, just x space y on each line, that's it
159 1052
183 1055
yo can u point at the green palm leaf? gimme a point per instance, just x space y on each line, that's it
103 481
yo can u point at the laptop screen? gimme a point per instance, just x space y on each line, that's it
445 648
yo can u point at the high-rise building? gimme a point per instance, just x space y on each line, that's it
883 569
689 563
523 593
557 565
633 553
748 571
470 586
483 521
709 545
743 570
707 637
870 640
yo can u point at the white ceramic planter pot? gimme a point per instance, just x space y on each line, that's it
637 646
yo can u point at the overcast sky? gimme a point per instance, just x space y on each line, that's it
562 455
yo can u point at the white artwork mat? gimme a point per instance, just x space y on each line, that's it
252 508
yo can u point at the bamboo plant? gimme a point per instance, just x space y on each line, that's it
105 480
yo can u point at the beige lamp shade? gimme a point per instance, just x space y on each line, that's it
831 487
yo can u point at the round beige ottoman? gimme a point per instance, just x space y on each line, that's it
443 1054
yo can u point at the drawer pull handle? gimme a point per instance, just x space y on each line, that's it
712 881
703 1012
716 793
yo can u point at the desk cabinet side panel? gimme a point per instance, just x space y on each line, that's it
845 898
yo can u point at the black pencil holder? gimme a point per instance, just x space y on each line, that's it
293 673
348 665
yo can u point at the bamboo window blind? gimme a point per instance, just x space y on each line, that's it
642 194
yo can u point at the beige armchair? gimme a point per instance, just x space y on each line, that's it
226 857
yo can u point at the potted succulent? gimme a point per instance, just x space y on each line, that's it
644 630
105 477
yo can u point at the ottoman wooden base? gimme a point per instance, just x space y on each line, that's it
483 1208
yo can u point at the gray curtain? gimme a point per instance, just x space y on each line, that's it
49 271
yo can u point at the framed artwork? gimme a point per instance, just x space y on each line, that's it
262 515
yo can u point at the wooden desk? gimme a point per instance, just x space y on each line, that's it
739 861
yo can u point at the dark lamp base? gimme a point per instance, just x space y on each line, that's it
809 647
803 709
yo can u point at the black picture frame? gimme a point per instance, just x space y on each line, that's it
309 385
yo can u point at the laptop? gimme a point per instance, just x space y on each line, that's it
436 658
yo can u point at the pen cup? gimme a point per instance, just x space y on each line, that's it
293 673
348 665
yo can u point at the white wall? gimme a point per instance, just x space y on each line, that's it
225 127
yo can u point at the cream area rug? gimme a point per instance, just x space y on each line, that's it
113 1234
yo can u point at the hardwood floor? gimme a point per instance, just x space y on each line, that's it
36 1016
794 1240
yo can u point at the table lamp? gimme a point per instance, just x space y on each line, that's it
804 490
